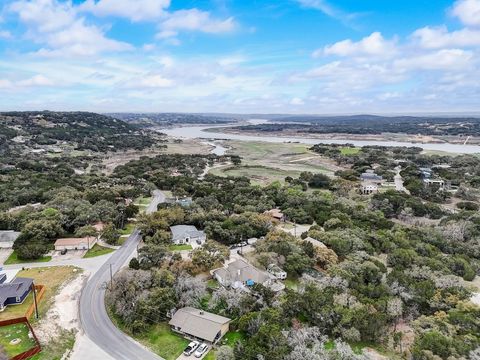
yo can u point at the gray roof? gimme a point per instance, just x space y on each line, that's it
198 323
182 231
370 176
8 235
240 270
17 287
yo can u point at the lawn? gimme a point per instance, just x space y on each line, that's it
16 331
97 250
180 247
52 278
128 229
291 283
346 150
229 339
164 342
13 259
142 203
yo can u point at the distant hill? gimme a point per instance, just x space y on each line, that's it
371 124
166 119
83 130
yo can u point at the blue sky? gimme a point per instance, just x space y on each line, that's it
283 56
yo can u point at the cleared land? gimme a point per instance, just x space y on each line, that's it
266 162
52 278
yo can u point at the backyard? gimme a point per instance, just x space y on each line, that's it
19 331
52 278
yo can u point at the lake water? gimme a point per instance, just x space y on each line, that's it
198 132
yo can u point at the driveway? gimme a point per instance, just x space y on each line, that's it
191 357
70 255
4 254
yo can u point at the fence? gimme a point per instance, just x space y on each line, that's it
40 289
30 352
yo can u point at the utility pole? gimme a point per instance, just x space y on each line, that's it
111 277
35 299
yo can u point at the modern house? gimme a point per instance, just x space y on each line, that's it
14 292
199 324
240 274
276 214
84 243
276 271
7 238
183 202
370 182
187 234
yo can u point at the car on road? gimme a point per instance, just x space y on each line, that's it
190 349
237 245
202 349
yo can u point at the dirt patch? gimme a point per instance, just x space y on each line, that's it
63 314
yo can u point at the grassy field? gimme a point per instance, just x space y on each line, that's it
15 331
142 203
164 342
13 259
52 278
55 349
97 250
266 162
128 229
180 247
349 150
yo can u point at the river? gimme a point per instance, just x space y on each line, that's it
198 132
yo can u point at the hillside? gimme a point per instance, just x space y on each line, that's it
84 131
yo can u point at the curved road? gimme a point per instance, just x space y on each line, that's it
93 315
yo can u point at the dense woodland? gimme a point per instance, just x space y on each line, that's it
168 119
381 280
369 124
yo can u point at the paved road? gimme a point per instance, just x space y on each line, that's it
93 315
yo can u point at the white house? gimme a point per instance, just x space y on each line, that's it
187 234
276 271
7 238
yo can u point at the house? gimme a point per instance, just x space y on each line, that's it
187 234
84 243
276 214
368 188
14 292
276 271
7 238
435 182
371 176
99 226
240 274
315 242
199 324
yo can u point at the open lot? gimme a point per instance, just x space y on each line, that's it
266 162
98 250
16 331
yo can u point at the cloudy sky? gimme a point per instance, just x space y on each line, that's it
277 56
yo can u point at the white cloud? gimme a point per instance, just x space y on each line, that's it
135 10
37 80
4 34
57 25
374 44
440 37
445 59
297 101
328 10
193 20
468 11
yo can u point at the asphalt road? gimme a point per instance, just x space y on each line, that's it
93 315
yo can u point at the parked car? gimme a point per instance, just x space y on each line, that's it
190 349
63 252
202 349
